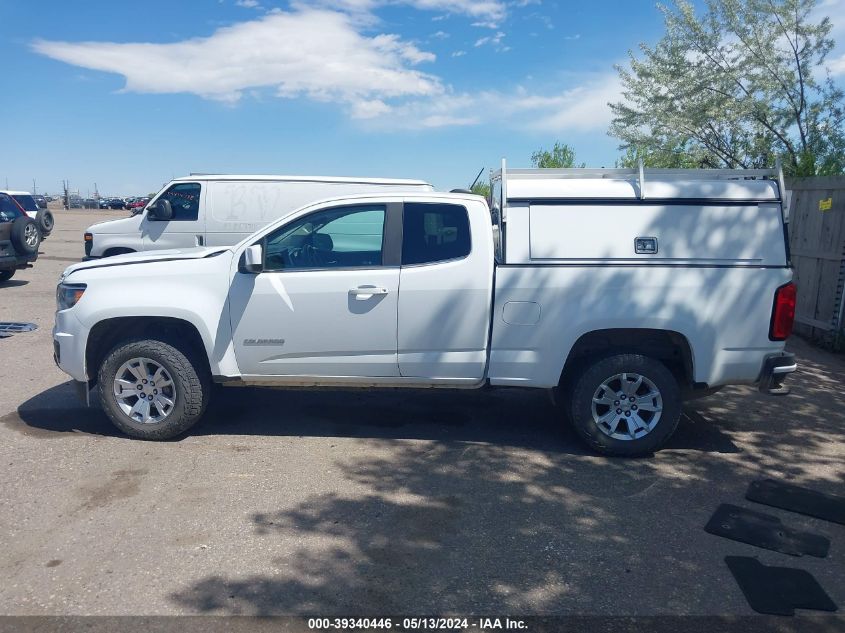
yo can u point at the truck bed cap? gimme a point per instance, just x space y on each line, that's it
639 184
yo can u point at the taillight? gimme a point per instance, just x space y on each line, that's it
783 313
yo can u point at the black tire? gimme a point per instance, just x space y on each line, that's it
6 275
594 373
192 386
45 221
20 236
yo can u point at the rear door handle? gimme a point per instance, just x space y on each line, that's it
362 293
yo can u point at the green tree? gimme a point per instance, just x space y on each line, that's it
734 87
482 189
561 156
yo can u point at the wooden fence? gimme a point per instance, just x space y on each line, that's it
817 242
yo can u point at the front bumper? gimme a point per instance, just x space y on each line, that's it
69 341
775 370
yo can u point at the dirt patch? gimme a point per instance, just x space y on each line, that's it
122 485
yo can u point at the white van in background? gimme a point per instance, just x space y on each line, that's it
215 210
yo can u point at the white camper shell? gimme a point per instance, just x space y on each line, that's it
684 217
221 210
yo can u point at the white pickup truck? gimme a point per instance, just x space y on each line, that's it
623 291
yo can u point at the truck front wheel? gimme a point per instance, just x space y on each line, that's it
625 404
151 390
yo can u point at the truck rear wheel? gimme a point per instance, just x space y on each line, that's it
152 390
625 404
6 275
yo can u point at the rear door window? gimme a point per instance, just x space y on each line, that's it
26 201
434 233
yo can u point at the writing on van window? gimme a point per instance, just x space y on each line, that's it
342 237
434 233
184 199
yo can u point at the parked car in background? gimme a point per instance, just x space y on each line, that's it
221 210
103 203
43 217
41 201
19 238
620 291
137 204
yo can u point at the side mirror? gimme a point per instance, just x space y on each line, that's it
253 259
161 211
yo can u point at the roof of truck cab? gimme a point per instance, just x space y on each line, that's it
15 193
326 179
649 184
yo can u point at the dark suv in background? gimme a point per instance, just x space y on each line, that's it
20 238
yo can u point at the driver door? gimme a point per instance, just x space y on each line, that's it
326 302
186 229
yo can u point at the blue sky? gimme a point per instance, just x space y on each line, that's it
130 94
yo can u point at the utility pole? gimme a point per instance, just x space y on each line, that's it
33 187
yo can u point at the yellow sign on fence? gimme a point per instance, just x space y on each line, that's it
826 205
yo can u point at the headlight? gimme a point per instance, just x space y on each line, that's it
68 295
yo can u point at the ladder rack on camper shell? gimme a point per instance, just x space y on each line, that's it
637 179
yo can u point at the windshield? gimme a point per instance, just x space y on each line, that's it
8 209
26 201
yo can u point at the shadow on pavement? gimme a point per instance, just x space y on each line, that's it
484 502
509 417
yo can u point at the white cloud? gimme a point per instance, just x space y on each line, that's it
374 78
577 36
493 40
837 66
490 12
582 109
248 4
440 35
282 51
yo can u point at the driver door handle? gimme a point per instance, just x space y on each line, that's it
362 293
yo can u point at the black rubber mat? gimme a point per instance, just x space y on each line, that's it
777 590
797 499
764 530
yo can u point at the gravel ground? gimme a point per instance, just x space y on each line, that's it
379 503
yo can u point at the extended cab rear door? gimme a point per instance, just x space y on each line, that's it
445 289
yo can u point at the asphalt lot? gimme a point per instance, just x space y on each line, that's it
380 503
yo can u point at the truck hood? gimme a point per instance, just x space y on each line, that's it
147 258
116 226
